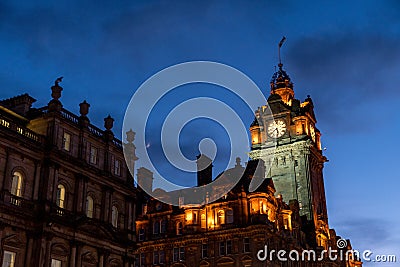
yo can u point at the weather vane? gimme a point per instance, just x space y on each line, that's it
279 50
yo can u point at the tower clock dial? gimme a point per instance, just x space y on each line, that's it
276 128
312 132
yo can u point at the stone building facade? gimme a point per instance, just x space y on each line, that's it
66 196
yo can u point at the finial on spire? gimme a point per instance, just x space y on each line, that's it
279 51
58 80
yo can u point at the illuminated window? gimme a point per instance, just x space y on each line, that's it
61 196
179 228
117 167
220 217
93 155
286 223
89 207
8 259
114 216
16 184
144 209
55 263
67 142
203 220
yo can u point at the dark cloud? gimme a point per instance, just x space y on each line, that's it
366 230
346 70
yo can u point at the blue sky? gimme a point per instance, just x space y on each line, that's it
345 55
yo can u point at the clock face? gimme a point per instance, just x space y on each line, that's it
276 128
312 132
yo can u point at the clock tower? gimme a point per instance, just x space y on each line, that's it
289 142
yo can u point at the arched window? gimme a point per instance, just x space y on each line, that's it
179 228
16 184
220 217
229 216
61 196
203 220
114 216
163 226
89 207
156 227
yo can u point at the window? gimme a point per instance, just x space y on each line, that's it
117 167
141 234
144 209
203 220
181 201
114 216
179 228
204 251
158 257
225 247
161 256
229 216
181 253
67 142
16 184
220 217
55 263
93 155
228 247
222 248
246 245
89 207
163 226
194 221
142 259
155 258
286 223
178 254
156 227
8 259
61 196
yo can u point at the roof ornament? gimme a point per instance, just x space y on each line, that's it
59 79
279 51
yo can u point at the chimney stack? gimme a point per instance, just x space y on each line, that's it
204 170
145 179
